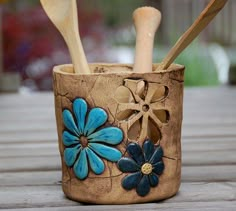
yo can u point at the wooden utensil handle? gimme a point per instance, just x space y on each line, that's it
202 21
146 21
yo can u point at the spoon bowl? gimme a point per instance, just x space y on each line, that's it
64 16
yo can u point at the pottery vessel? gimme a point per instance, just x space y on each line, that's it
119 133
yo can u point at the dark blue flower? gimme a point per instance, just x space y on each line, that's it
145 166
85 143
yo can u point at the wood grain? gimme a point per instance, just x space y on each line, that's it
183 206
39 196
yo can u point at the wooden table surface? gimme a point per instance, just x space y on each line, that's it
30 164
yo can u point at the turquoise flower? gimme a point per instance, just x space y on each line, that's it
86 141
145 166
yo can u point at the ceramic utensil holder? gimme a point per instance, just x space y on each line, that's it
119 133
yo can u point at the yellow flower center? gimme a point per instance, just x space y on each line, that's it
146 168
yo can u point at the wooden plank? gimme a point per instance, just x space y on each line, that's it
51 196
28 150
188 131
33 196
29 136
220 173
51 149
22 100
183 206
209 158
35 163
208 144
28 126
208 131
30 178
52 162
46 134
189 120
22 122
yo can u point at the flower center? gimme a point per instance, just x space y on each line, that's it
145 108
146 168
83 141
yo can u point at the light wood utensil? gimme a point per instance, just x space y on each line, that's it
146 21
202 21
63 13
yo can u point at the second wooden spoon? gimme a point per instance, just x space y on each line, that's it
203 20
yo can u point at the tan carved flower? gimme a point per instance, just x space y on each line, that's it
141 109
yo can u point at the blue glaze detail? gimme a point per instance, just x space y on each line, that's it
154 180
148 150
69 139
80 108
96 118
143 187
138 178
82 156
128 165
110 135
158 168
157 155
131 181
136 153
95 162
109 153
69 122
81 166
70 154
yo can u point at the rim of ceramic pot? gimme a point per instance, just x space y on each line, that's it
113 68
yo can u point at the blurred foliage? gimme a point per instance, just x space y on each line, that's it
118 12
200 68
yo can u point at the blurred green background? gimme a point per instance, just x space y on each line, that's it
31 46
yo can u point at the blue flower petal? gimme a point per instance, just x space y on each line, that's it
148 148
69 139
127 165
95 162
81 166
136 153
143 187
153 179
157 155
80 110
96 118
70 154
69 122
131 181
109 153
158 168
109 135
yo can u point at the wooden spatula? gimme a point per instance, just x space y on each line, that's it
202 21
146 21
63 13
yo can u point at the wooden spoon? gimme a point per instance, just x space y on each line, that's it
63 13
202 21
146 21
